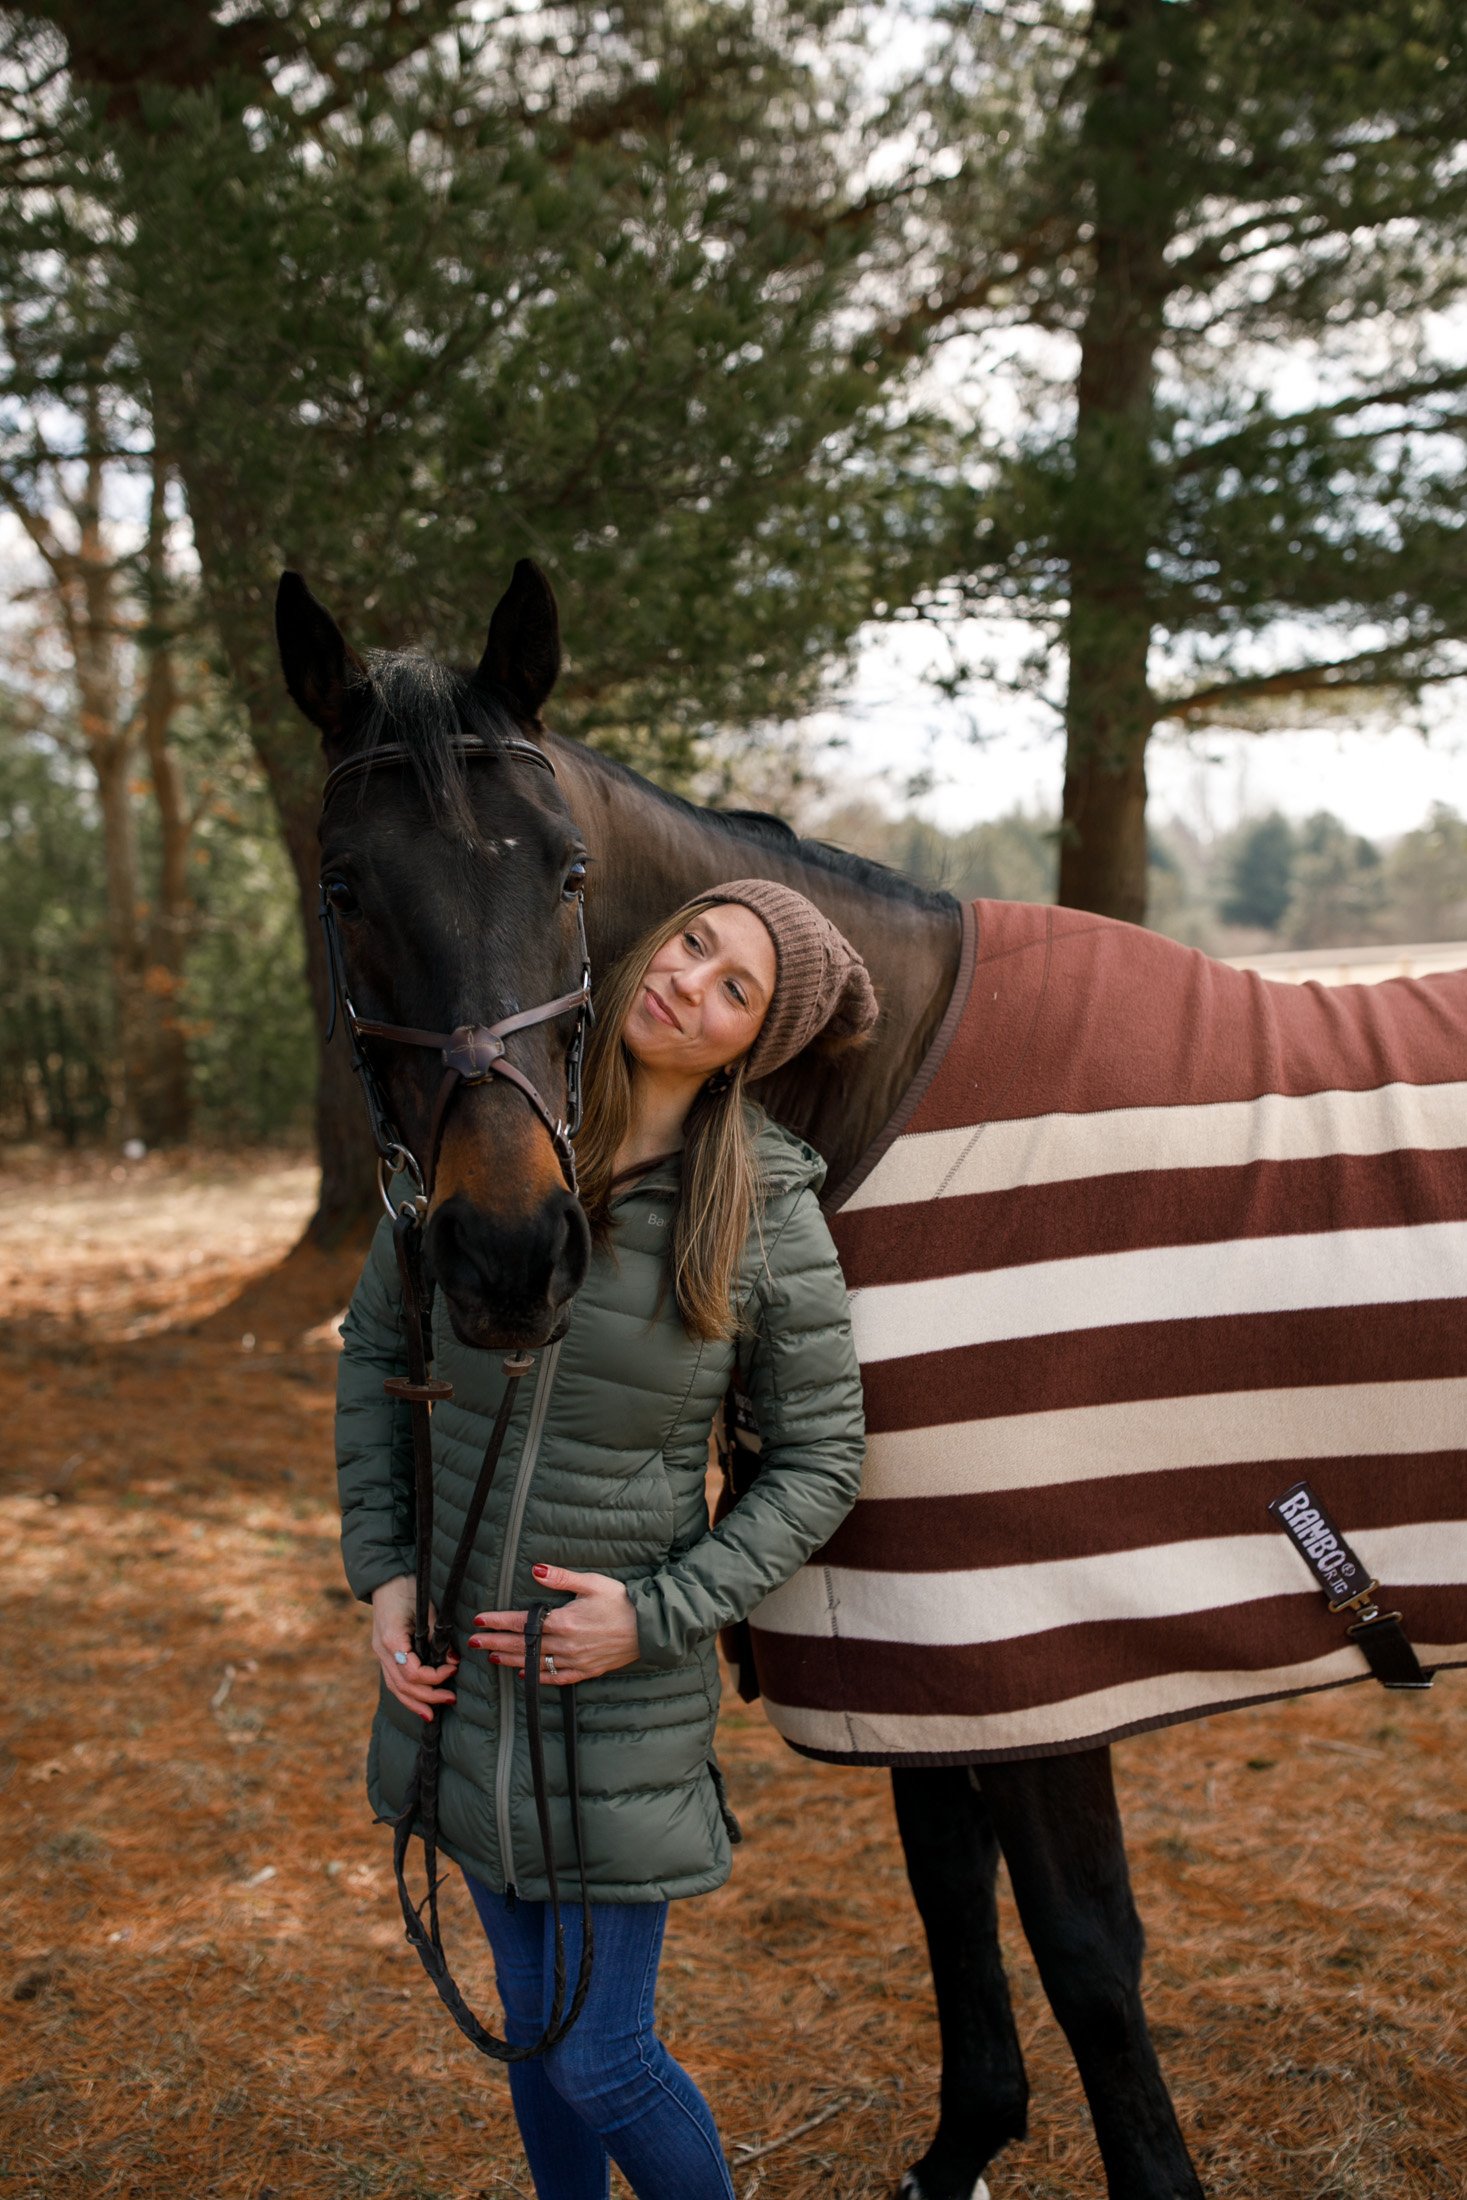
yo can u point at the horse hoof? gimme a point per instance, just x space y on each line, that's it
910 2189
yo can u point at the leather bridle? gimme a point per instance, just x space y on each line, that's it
474 1052
471 1055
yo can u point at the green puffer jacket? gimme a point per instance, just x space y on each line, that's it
603 1471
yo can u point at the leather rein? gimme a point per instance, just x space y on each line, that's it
471 1055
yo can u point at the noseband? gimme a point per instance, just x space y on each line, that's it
474 1052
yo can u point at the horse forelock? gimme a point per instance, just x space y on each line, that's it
429 709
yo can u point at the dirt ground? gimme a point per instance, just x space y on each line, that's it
208 1991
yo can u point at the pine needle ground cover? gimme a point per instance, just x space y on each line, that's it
206 1988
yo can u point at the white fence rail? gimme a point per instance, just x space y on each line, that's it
1355 965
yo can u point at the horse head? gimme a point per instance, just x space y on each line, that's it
452 876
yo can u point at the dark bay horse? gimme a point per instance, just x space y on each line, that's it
455 877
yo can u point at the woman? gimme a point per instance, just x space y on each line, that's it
708 1249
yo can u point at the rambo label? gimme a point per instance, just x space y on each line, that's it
1320 1544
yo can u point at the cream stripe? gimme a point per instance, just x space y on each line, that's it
1018 1451
1048 1149
1267 1275
1003 1603
1077 1719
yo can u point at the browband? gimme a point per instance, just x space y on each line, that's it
398 752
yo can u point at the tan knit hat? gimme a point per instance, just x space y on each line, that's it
821 986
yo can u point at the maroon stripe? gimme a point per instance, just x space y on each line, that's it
1030 1671
1422 1340
1133 1212
1131 1512
1075 1013
1016 1752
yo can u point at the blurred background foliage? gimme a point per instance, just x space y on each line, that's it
241 1006
1126 328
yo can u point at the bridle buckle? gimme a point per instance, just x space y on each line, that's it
394 1159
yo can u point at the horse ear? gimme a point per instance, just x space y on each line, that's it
321 670
522 654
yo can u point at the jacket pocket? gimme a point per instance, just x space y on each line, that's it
731 1825
654 1488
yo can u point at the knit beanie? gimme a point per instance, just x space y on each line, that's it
821 985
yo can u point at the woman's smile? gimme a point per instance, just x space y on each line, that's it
720 968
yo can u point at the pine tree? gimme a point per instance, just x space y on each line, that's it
412 291
1260 873
1164 217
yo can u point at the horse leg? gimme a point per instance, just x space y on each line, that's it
952 1861
1060 1831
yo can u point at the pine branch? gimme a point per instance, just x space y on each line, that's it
1052 235
1369 668
1449 381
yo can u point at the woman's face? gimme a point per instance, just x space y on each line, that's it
705 993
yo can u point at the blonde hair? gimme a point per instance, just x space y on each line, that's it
722 1183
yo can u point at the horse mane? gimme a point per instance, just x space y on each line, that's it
761 829
429 709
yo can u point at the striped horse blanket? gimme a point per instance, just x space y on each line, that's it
1148 1241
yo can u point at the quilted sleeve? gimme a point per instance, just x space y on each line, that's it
805 1388
374 1444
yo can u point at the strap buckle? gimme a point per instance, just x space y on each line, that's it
1358 1603
397 1157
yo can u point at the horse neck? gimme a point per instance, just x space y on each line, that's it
648 856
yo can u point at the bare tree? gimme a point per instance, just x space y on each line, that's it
111 611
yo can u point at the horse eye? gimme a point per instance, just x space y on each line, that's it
575 880
341 897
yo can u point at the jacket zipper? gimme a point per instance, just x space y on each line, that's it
524 1473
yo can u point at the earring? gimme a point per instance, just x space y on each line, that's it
720 1080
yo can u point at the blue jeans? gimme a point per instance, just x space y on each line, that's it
610 2092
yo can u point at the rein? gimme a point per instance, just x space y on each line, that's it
471 1055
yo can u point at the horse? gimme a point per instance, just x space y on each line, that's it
456 874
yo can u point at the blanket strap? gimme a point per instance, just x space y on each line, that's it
1350 1587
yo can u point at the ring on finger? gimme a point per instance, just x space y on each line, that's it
550 1665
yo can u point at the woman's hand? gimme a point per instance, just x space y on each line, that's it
418 1686
594 1634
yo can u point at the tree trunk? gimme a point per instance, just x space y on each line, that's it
146 943
1111 525
112 761
164 1101
348 1202
118 54
86 593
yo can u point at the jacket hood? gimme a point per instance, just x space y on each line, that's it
787 1162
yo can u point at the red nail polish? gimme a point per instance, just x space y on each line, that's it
539 1572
